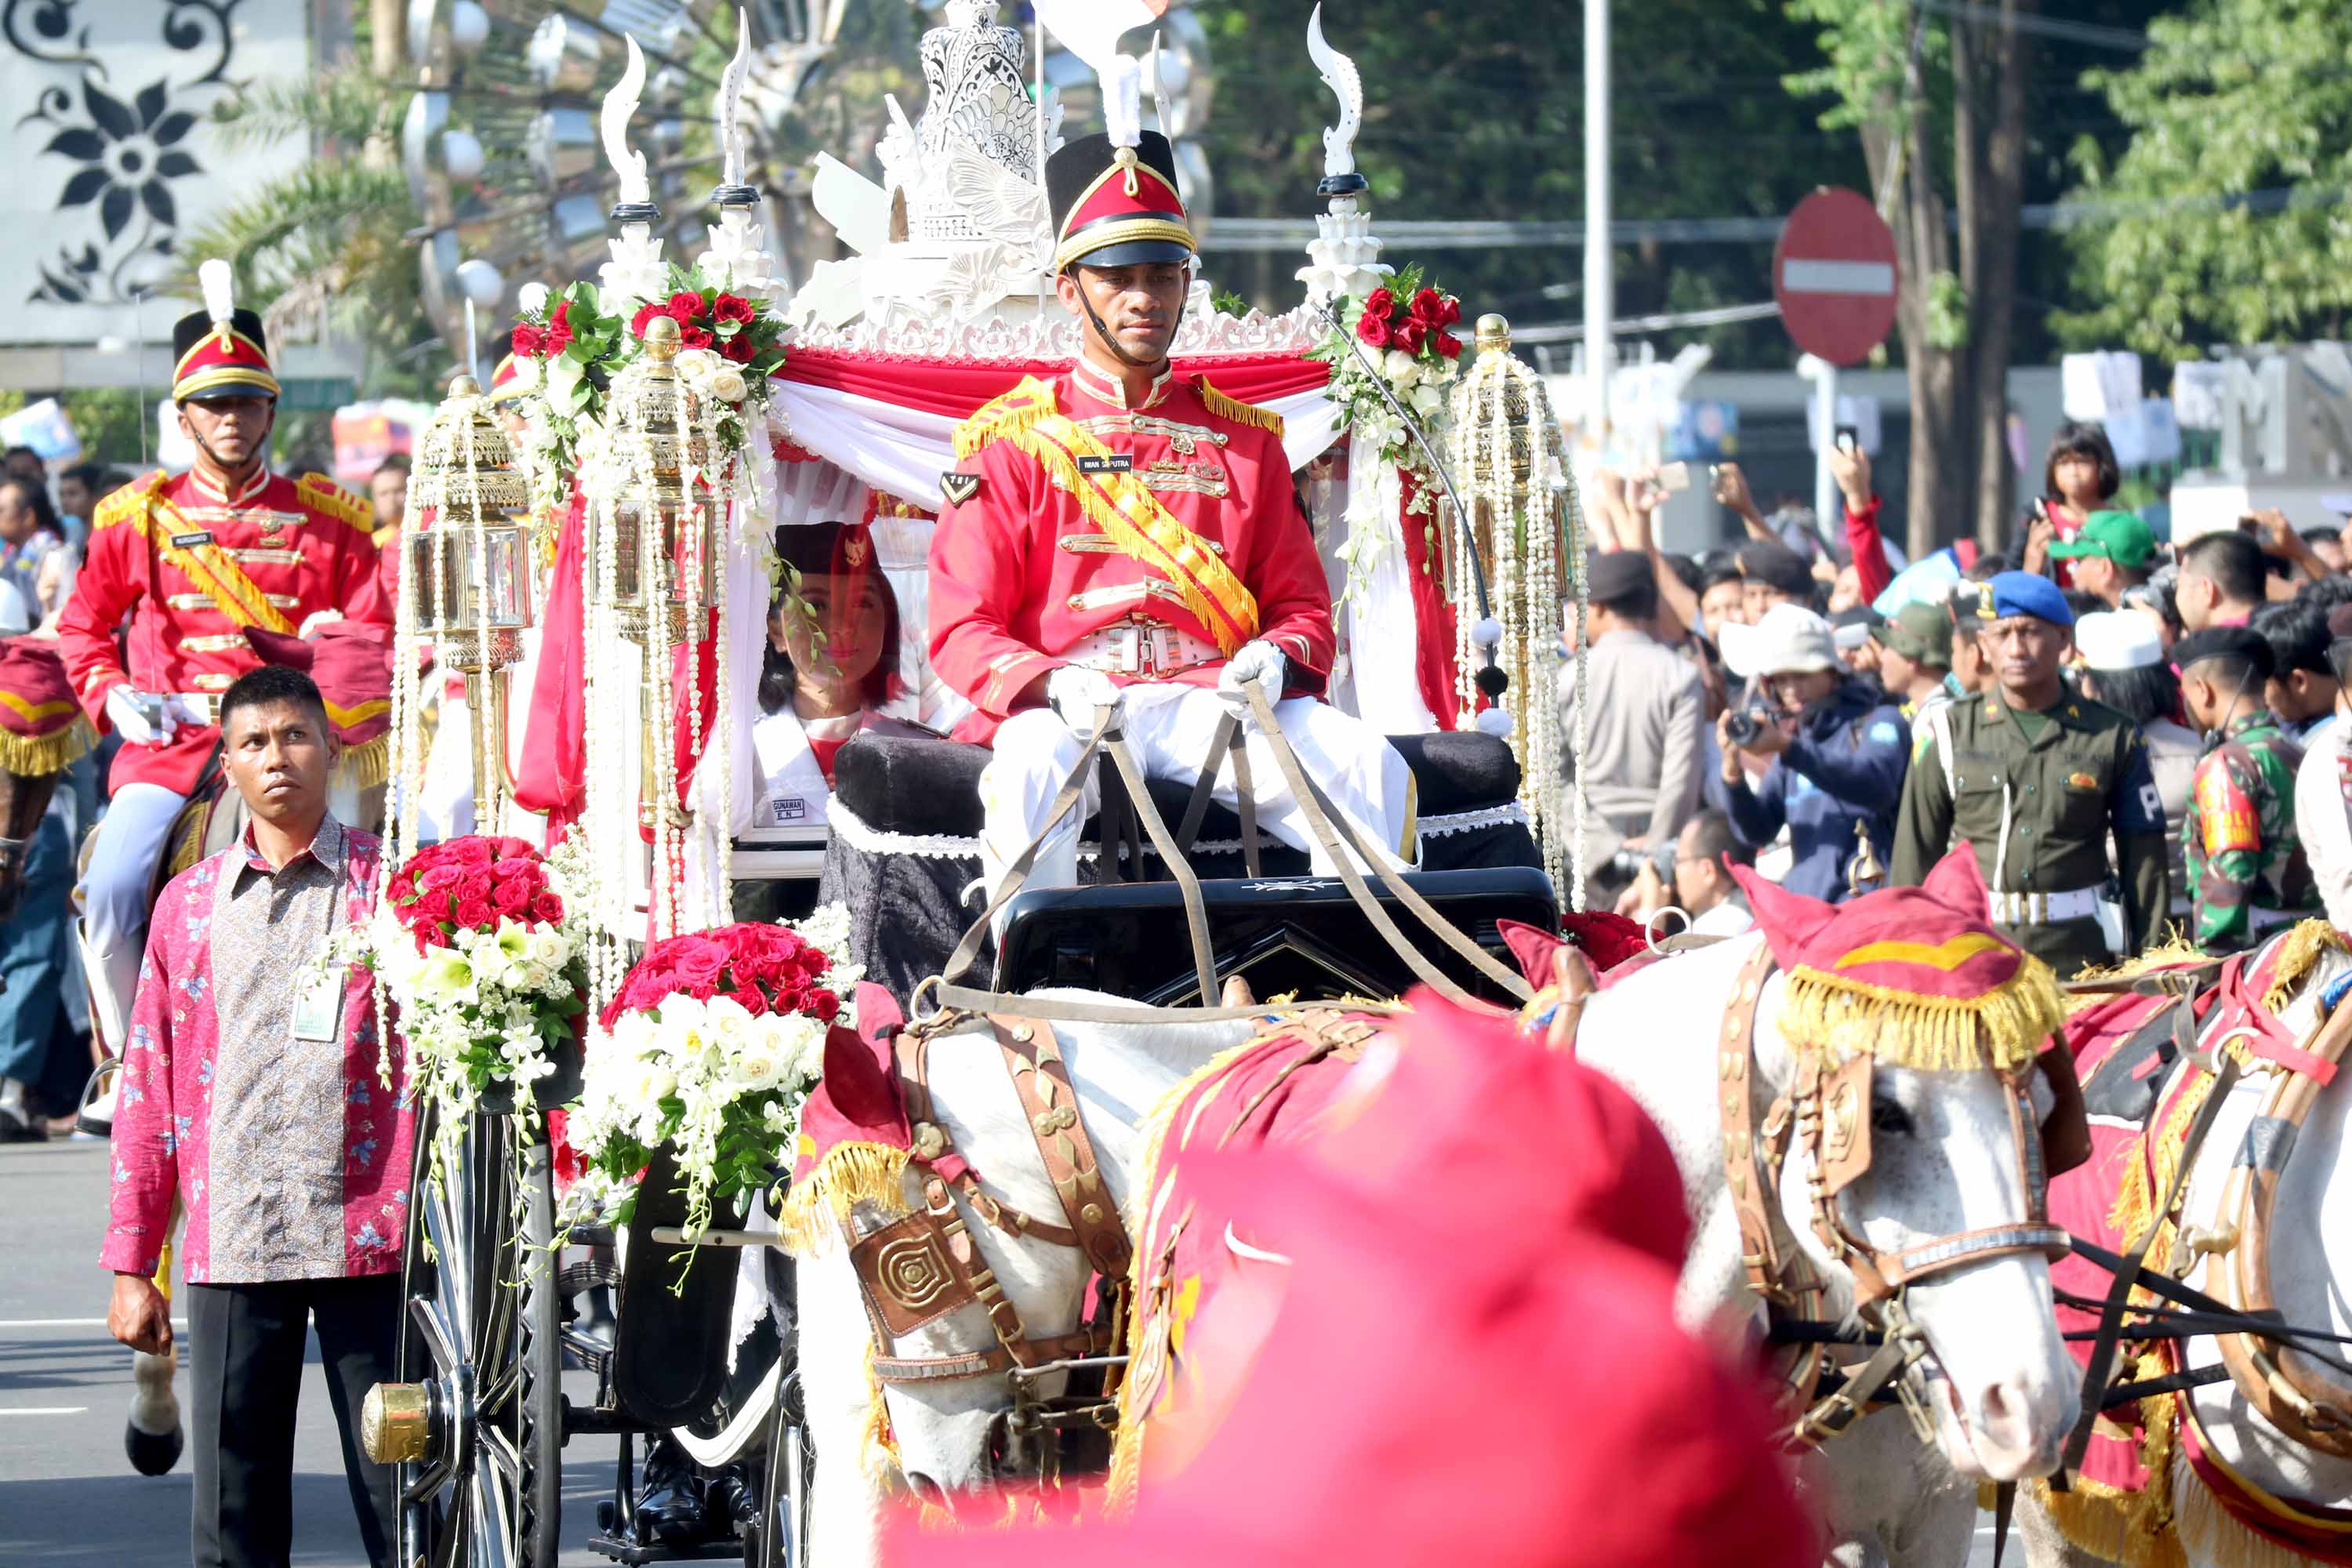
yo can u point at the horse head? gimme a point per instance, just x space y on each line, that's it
22 799
900 1273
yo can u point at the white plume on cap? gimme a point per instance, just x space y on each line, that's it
219 285
532 297
1122 100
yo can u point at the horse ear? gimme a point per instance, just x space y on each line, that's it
1532 947
1789 921
1957 883
860 1080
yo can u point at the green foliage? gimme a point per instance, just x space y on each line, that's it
347 104
2235 96
1866 45
110 421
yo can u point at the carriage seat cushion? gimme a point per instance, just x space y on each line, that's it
915 784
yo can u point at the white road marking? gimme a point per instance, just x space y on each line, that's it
68 1323
1800 276
48 1410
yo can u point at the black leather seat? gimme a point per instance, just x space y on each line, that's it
914 785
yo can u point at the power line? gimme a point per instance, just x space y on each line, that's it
2088 33
1573 332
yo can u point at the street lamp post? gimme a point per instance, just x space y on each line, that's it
1600 280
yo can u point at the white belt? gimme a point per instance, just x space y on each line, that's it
2044 909
1138 648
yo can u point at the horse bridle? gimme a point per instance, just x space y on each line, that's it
923 1266
1827 1110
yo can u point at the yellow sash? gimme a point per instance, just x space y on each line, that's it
212 569
1121 505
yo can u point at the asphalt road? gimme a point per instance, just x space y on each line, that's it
66 1493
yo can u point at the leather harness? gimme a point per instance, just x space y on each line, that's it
1828 1110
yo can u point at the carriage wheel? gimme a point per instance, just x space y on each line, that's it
475 1427
790 1479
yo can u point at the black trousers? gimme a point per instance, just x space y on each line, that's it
246 1345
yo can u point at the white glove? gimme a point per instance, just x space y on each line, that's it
129 709
1258 661
1079 696
181 708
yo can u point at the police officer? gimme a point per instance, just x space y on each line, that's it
2244 861
2034 779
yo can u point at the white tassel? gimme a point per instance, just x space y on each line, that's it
1495 722
219 286
1122 100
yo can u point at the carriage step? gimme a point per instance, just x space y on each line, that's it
574 1278
621 1551
594 1421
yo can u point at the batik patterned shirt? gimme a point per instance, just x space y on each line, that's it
290 1158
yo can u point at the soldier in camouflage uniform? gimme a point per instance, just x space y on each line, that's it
2245 864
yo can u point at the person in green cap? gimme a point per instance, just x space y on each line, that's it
2034 779
2245 864
2116 551
1914 655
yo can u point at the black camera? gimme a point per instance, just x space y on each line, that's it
1744 724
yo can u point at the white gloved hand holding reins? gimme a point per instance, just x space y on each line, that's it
1260 661
1081 698
129 709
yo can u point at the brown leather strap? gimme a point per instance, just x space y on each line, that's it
1333 1034
1034 1058
1750 1180
912 1050
976 1363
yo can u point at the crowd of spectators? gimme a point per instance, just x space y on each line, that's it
1763 704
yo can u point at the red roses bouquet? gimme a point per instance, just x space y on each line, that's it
1410 318
713 1042
470 940
734 329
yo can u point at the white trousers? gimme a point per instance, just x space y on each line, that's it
1170 727
114 897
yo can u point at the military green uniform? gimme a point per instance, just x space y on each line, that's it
2238 840
2058 794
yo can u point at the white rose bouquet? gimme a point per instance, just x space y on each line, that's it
714 1041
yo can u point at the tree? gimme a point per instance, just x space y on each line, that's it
1939 103
2232 101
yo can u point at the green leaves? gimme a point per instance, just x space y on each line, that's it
2236 96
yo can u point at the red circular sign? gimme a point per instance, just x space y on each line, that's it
1833 274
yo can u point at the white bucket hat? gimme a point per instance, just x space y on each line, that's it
1788 639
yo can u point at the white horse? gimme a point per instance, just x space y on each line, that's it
2311 1271
1943 1160
941 1428
1946 1161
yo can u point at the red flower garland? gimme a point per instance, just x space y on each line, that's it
471 883
767 968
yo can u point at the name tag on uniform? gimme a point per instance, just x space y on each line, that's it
791 808
318 1006
1116 463
190 540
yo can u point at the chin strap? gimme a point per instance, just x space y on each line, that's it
1110 343
259 460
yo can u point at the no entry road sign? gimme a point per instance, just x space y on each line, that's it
1833 275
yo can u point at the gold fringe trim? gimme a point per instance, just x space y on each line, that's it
324 495
1235 409
878 1449
2104 1521
37 756
2004 1028
2299 953
2218 1536
849 1174
369 763
2144 1180
1018 409
2176 950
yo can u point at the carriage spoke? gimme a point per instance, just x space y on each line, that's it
432 1325
430 1479
501 1447
494 1524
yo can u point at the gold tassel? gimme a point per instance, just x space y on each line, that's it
324 495
37 756
2298 953
1235 409
849 1174
1018 409
2004 1028
369 763
2104 1521
2218 1537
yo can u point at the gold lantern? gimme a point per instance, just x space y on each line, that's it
466 580
1509 454
653 544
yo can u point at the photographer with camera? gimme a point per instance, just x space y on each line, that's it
1830 748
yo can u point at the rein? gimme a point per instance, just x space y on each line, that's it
1827 1111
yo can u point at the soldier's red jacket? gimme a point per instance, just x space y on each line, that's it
193 568
1070 512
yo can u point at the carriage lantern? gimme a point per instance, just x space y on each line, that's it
1530 533
465 569
656 542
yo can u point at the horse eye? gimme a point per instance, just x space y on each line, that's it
1889 1118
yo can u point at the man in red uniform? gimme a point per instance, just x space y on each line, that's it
192 562
1119 537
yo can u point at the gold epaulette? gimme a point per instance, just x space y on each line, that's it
1235 409
130 501
1026 404
323 496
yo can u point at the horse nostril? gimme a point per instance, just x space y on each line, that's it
928 1492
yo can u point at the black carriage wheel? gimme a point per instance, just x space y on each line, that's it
787 1484
481 1344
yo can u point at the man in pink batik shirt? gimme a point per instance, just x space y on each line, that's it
253 1098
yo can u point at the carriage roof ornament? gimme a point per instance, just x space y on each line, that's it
738 257
635 272
1344 257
